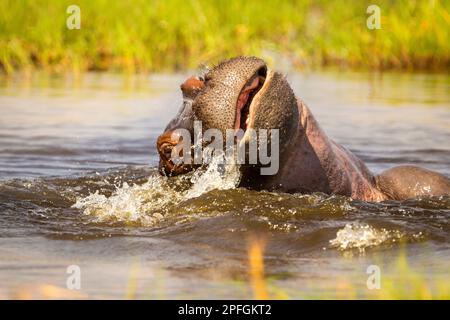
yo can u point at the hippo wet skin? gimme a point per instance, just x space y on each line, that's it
243 93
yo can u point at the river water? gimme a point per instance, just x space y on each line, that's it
79 186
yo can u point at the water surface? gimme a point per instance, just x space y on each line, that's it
79 185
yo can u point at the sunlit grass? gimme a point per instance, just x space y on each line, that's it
256 269
409 284
163 35
44 292
402 282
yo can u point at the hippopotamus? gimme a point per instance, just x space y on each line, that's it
243 93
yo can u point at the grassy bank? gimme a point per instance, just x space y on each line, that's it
142 35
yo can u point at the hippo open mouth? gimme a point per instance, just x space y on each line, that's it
245 100
237 95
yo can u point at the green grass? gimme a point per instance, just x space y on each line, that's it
403 282
143 35
398 280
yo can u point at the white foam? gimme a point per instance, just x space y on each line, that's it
362 236
147 204
221 174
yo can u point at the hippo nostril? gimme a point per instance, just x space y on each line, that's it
166 150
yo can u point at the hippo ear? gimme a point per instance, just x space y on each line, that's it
203 69
191 87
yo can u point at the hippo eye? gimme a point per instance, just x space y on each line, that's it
207 77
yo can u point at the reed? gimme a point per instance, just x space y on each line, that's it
402 282
167 35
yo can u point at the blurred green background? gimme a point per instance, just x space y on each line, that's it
166 35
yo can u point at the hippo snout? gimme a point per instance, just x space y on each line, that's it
165 145
168 146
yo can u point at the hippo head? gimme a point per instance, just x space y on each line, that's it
240 93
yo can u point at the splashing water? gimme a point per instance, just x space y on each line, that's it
222 173
148 204
362 236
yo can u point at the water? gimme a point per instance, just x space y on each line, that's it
79 186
